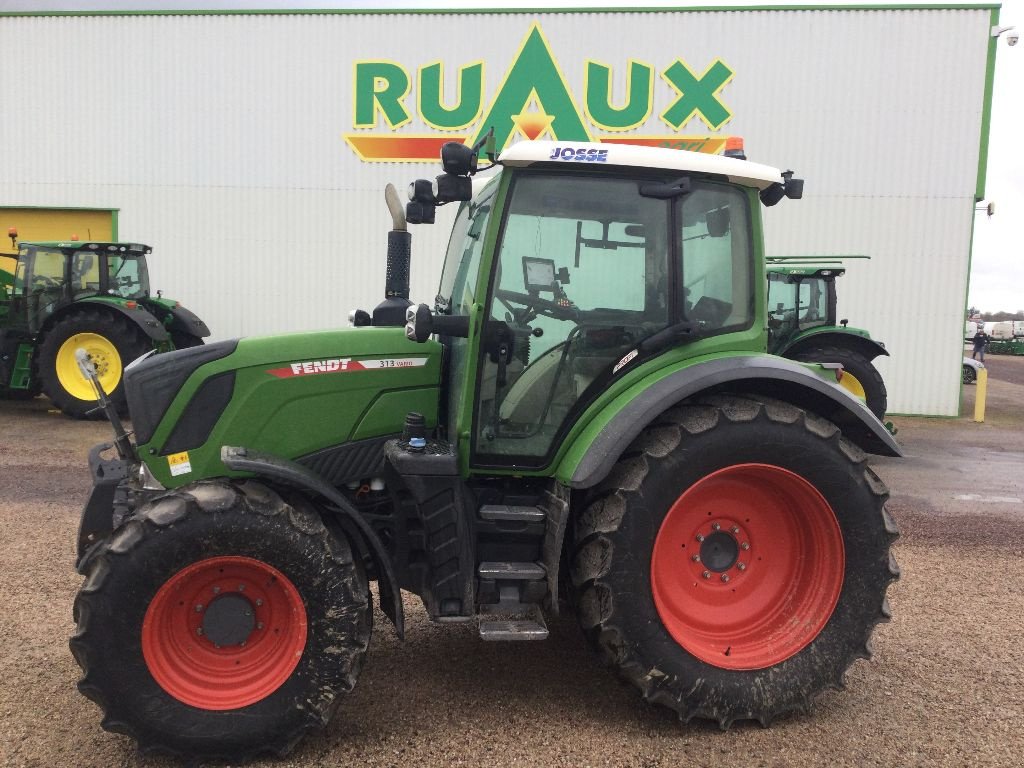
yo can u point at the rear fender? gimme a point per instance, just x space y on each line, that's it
146 322
598 448
852 338
281 471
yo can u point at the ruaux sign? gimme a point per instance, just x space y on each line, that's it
534 101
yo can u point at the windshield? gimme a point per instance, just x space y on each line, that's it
128 276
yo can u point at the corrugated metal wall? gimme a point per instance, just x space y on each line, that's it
220 139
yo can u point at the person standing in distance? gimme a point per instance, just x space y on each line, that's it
981 339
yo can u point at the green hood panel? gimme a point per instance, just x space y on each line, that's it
295 394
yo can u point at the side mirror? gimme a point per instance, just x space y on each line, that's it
421 324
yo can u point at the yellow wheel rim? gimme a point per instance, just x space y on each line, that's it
103 355
852 384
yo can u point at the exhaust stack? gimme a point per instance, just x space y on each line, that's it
391 311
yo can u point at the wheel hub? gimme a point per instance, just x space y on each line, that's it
719 551
229 620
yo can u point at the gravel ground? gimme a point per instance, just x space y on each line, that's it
945 686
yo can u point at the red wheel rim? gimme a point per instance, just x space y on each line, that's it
747 566
250 607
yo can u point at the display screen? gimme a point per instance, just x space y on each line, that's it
538 274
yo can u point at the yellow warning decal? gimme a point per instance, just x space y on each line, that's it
179 464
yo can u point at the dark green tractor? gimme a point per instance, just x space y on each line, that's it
583 420
64 296
803 325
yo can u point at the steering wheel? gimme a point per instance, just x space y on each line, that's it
535 305
44 281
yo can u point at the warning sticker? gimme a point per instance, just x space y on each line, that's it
179 464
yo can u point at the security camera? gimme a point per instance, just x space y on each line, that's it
1012 37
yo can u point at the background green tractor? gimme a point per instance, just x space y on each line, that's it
68 295
803 325
585 419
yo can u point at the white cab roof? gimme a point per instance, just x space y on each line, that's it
583 153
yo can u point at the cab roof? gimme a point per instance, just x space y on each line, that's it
75 245
741 172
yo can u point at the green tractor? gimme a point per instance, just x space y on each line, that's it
63 296
584 420
802 325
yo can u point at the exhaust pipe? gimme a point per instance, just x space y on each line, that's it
391 311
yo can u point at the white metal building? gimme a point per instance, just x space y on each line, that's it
239 144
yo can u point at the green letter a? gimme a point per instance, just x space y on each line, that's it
534 74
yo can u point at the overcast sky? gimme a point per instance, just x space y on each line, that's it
997 266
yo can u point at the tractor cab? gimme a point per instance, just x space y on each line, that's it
52 275
581 273
800 298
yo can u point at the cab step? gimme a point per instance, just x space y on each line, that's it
496 630
509 513
516 571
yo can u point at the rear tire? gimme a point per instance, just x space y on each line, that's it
785 490
251 667
855 364
111 341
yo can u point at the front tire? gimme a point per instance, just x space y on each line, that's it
736 560
860 377
221 622
969 375
111 343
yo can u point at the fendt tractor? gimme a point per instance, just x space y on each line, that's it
585 419
803 325
63 296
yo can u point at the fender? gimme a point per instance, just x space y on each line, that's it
765 375
288 472
186 321
149 324
851 338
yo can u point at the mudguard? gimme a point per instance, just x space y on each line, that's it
849 339
186 321
275 468
765 375
149 324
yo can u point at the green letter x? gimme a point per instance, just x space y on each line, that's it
697 95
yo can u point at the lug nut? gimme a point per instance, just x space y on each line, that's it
695 558
241 587
199 607
741 566
199 630
260 625
700 537
735 529
706 574
725 577
216 590
716 527
259 603
744 545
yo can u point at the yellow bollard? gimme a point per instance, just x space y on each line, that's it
979 395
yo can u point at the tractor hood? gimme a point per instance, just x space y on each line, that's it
293 396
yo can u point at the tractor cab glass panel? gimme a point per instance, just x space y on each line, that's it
45 283
714 241
127 276
581 277
85 274
813 298
457 293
